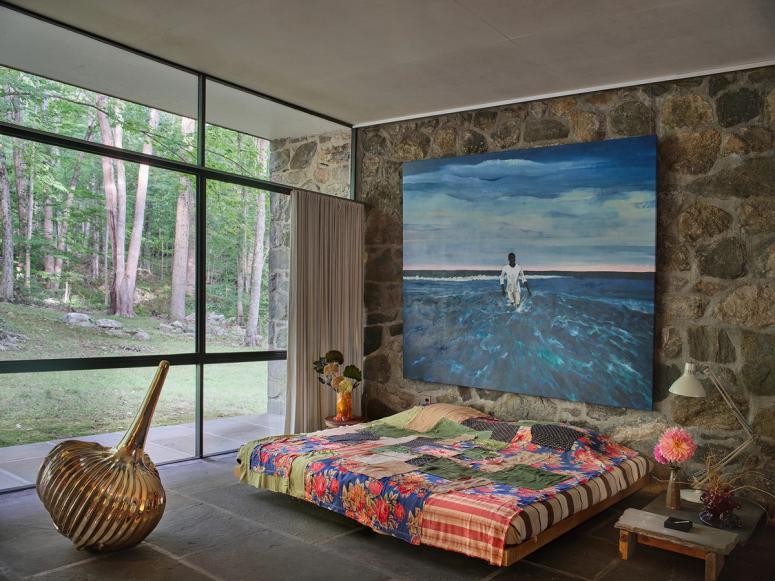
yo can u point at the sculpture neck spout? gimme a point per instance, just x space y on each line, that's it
134 439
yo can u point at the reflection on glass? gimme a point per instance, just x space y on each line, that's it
98 255
242 401
247 268
39 103
39 409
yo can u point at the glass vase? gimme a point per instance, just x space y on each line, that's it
673 495
344 406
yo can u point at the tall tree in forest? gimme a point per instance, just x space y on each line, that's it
24 183
126 286
63 219
181 246
259 254
6 285
242 260
123 281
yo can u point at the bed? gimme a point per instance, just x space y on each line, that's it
452 477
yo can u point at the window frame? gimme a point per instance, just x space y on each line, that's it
199 357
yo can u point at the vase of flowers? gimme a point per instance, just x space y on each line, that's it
674 447
343 380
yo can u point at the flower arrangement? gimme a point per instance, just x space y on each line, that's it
675 446
343 380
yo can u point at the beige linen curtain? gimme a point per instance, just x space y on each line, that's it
325 308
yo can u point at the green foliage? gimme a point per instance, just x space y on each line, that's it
353 372
334 356
318 365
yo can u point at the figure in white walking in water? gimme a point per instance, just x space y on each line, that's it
511 275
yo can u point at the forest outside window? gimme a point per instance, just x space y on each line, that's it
247 268
97 254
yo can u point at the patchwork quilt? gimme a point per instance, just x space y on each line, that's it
446 476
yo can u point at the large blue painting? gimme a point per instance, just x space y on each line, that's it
532 271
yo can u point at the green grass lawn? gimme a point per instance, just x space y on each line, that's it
36 407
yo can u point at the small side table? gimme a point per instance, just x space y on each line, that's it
702 542
332 422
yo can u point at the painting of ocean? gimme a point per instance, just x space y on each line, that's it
571 314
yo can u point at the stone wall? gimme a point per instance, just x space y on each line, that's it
320 163
715 256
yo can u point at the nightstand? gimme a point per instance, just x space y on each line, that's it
646 527
332 422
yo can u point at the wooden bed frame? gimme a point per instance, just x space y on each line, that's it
515 553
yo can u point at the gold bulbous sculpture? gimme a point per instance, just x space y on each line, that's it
105 499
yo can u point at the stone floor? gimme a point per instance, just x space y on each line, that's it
215 528
19 464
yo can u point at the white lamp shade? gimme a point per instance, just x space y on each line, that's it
688 385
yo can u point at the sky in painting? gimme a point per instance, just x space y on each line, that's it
587 206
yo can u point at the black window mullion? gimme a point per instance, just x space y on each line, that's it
201 270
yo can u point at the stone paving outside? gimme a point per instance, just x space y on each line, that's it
19 464
216 528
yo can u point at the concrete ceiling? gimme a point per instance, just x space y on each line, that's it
364 61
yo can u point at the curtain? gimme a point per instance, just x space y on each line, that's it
325 308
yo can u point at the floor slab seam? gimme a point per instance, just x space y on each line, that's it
182 561
553 570
13 476
612 564
243 518
66 566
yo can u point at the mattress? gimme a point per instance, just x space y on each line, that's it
447 476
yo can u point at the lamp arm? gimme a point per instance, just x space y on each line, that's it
701 477
729 401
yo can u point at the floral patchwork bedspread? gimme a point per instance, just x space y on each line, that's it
457 484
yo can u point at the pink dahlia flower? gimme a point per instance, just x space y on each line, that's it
658 455
676 446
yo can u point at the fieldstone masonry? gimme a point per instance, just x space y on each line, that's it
715 255
320 163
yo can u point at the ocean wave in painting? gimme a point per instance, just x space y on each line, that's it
580 336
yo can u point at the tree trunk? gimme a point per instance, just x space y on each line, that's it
191 266
64 217
181 245
180 253
25 206
23 194
119 259
114 182
95 257
240 289
6 284
105 256
111 194
242 260
251 330
126 290
48 236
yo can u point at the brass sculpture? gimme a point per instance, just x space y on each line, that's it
105 499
